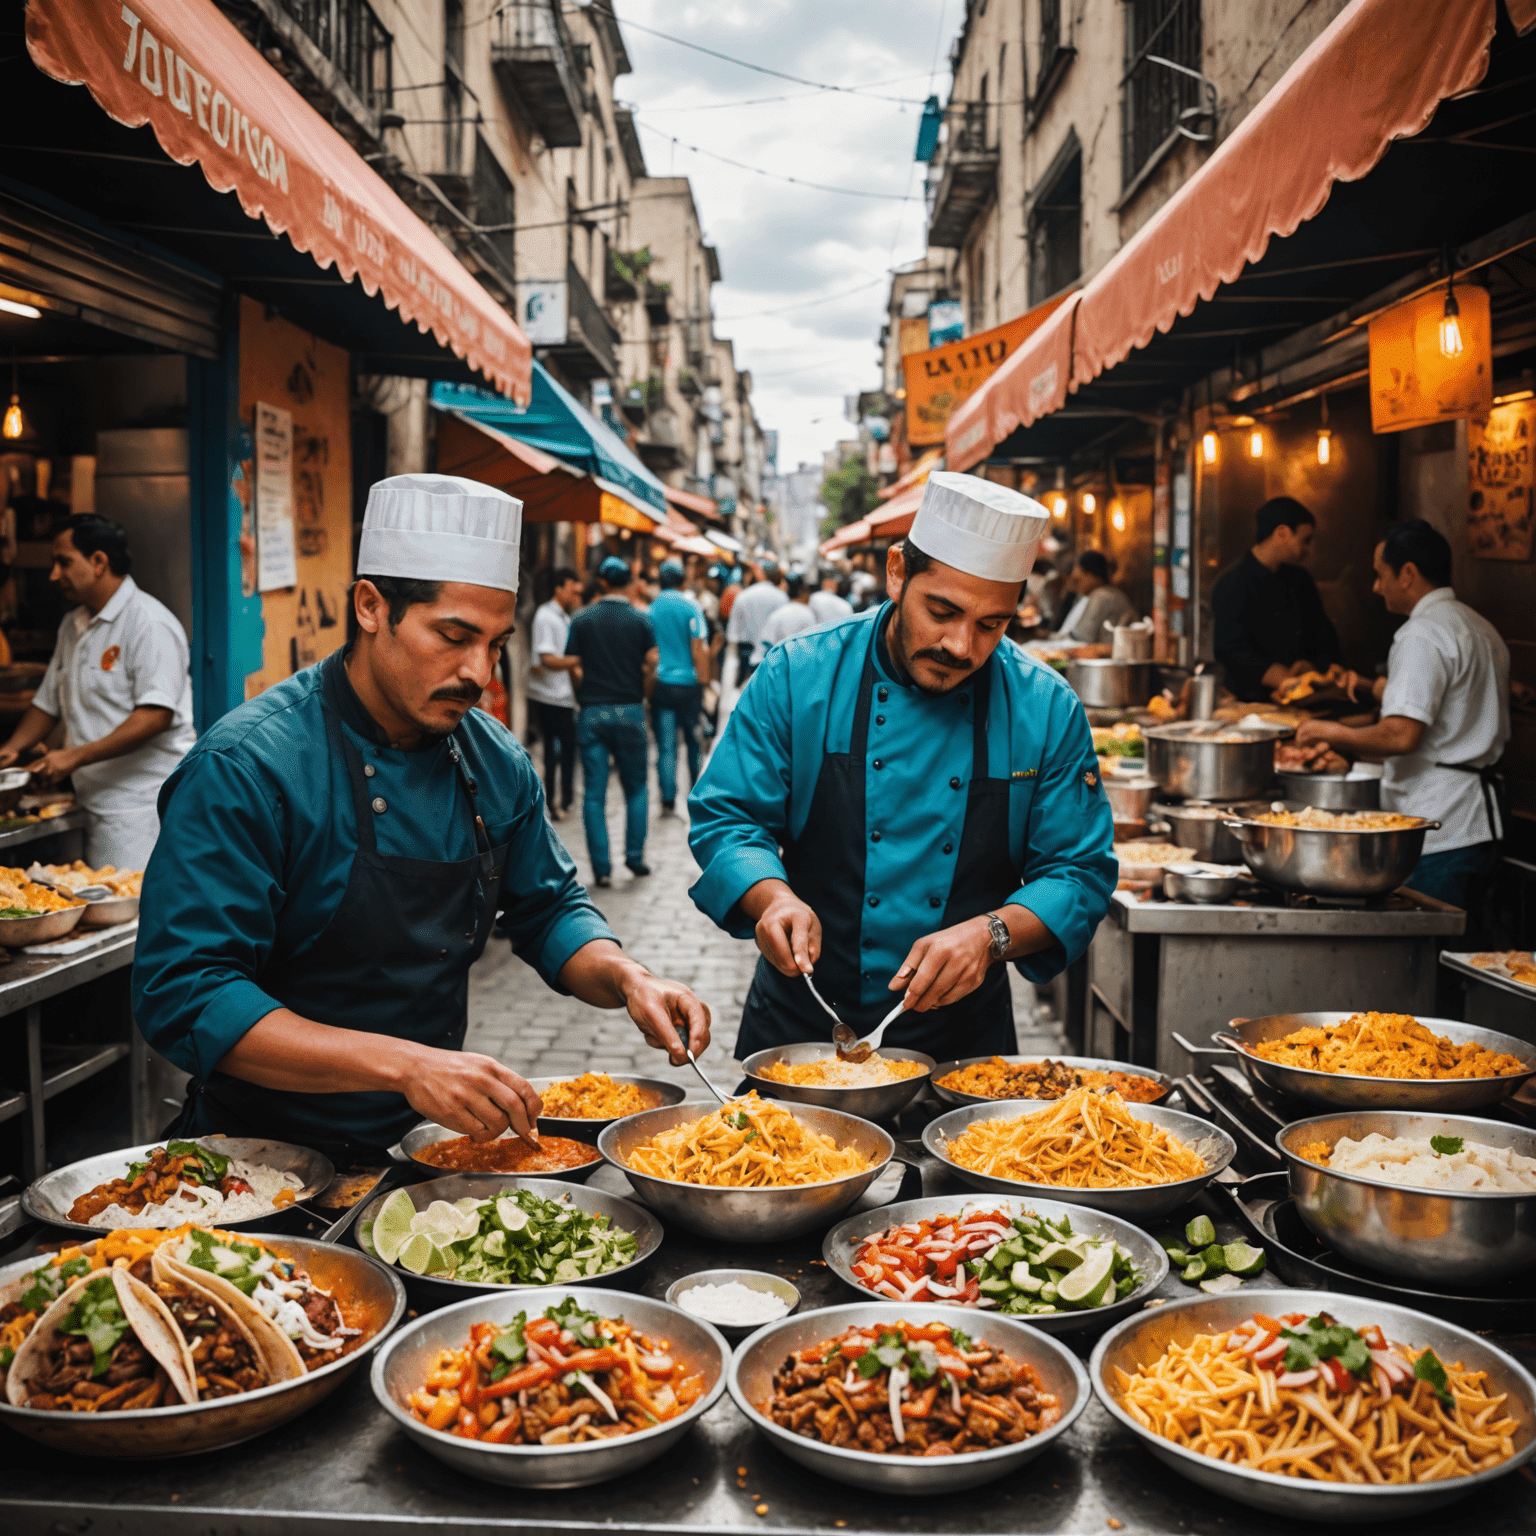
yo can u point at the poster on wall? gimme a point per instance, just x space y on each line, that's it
276 562
1500 481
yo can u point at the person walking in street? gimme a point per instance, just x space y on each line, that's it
830 601
682 667
748 615
616 647
552 688
903 800
794 618
119 680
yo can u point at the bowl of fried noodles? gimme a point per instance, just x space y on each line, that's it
583 1107
751 1171
813 1073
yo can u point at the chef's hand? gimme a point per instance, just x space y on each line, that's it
1310 731
474 1095
788 931
945 966
55 765
669 1015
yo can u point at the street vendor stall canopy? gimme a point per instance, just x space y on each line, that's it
553 453
183 69
1377 75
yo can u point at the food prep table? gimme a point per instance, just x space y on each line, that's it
1159 966
1493 1001
344 1470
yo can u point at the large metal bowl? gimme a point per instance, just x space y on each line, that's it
751 1385
1202 828
186 1429
1207 760
1142 1339
1346 1090
18 931
13 783
428 1134
1104 684
1331 791
750 1215
402 1367
881 1102
1330 861
954 1097
1442 1237
1142 1203
110 911
438 1289
842 1243
589 1130
49 1198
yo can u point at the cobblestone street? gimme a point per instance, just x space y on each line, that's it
515 1017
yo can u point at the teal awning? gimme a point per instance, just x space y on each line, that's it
559 424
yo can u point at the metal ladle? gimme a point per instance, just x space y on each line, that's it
867 1047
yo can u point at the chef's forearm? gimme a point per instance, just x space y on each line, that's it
144 724
292 1054
600 973
34 726
1029 934
1392 736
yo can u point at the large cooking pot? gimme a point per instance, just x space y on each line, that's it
1331 861
1202 828
1102 684
1206 760
1332 791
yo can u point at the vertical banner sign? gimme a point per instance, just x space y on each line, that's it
1499 482
276 563
1413 381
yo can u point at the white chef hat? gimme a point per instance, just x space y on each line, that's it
441 528
980 528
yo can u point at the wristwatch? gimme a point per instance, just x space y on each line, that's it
1002 940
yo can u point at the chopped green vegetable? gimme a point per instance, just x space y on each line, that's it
1026 1273
1200 1233
1195 1270
1429 1369
97 1316
509 1347
7 1354
18 912
1447 1146
1320 1338
50 1282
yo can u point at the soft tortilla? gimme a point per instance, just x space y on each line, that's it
273 1347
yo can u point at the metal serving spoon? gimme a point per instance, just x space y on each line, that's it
694 1063
843 1036
871 1042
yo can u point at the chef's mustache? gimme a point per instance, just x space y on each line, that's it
942 658
465 690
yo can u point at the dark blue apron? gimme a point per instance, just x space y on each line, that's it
825 865
393 960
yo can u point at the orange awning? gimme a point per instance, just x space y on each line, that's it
851 533
693 503
183 68
895 518
1376 74
933 459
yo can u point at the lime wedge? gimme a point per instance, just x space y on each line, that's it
392 1225
1200 1233
419 1254
1090 1284
1244 1260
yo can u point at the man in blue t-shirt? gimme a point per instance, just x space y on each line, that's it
683 664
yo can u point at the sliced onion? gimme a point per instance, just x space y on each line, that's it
897 1381
1296 1378
597 1393
1272 1351
944 1290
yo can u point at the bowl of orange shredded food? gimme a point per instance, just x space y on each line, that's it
583 1107
1363 1412
1139 1161
983 1079
556 1157
1380 1060
552 1388
813 1073
751 1171
1330 853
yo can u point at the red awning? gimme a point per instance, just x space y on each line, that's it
1376 74
895 518
691 503
850 533
182 67
917 475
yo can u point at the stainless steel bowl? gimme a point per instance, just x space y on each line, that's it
1442 1237
1129 799
953 1096
13 783
186 1429
880 1102
750 1215
1207 760
751 1384
1142 1339
1104 684
482 1186
1202 828
1143 1203
110 911
50 1197
1203 886
589 1130
842 1243
1331 791
18 931
753 1279
402 1367
1345 1090
427 1134
1330 861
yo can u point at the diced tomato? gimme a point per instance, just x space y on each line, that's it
1342 1380
1374 1337
1268 1324
945 1266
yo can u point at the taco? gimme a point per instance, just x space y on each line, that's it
106 1343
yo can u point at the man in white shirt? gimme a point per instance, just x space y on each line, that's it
1096 605
748 615
830 603
551 689
1444 714
794 618
119 680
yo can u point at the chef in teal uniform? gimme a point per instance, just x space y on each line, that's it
903 800
334 853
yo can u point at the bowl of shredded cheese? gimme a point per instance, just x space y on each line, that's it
813 1073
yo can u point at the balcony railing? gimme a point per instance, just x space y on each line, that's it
535 62
962 180
354 40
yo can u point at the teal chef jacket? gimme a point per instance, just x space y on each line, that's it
258 835
756 791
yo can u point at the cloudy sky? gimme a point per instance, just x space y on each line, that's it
781 246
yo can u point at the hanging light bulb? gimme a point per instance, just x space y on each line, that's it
1324 436
1208 447
1117 516
14 424
1256 444
1089 503
1058 507
1451 344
